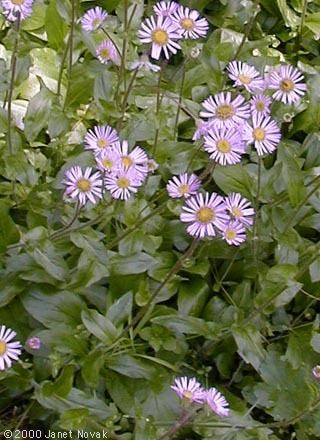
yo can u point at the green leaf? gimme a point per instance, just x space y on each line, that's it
134 264
185 324
249 343
38 113
131 367
99 325
314 270
291 19
47 257
234 179
8 231
56 27
291 173
192 296
53 308
312 21
62 386
121 309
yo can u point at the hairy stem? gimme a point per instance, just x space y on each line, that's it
248 29
67 226
12 78
175 131
180 423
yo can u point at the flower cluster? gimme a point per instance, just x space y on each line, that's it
106 51
191 390
120 170
232 123
209 215
172 22
13 9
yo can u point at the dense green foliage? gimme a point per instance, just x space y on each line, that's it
241 319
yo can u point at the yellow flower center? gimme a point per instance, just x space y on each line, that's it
3 348
84 185
127 161
230 234
287 85
17 2
102 143
223 146
123 182
259 134
184 189
187 24
245 79
188 394
225 111
160 36
260 106
104 53
236 212
205 215
107 163
96 22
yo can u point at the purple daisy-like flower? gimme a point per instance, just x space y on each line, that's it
217 402
260 105
8 350
107 160
143 63
239 208
162 33
100 137
225 112
225 145
246 76
191 24
106 52
203 128
14 8
204 212
183 185
136 159
82 185
189 389
234 233
93 19
287 81
165 8
123 183
264 134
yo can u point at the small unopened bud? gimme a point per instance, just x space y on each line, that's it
34 343
195 52
316 372
287 117
152 165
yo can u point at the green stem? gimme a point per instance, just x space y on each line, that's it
126 96
68 226
299 34
71 35
146 311
175 131
137 225
112 41
12 78
248 29
158 105
180 423
256 208
63 60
